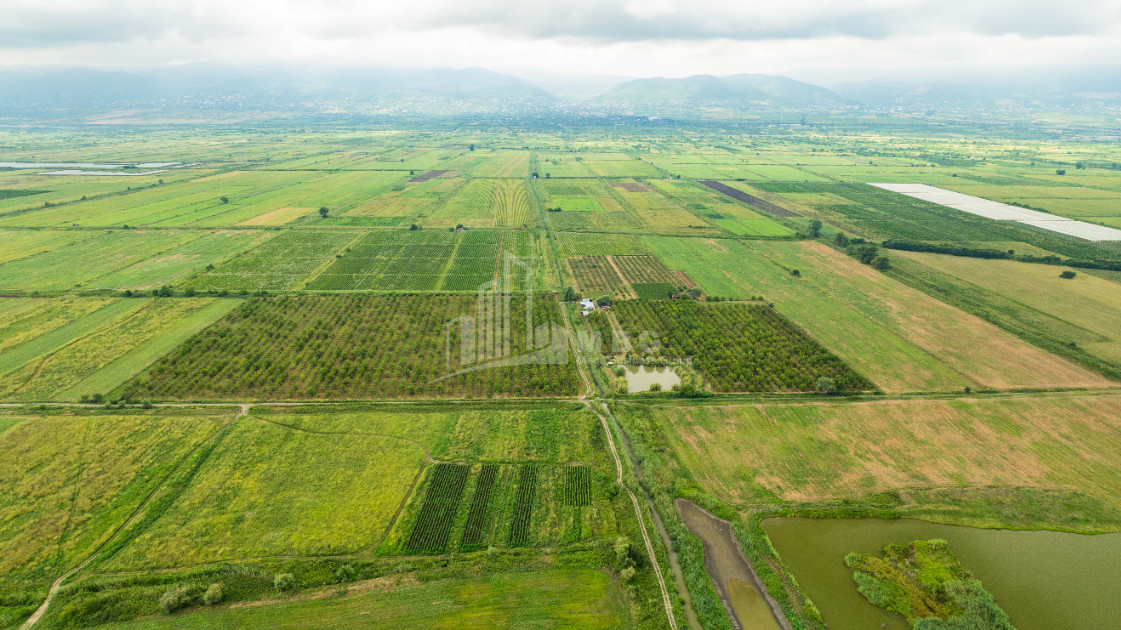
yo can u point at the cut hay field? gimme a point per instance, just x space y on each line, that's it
749 454
66 348
356 347
899 338
68 481
484 203
1085 302
546 597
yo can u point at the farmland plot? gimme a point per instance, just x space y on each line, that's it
15 244
512 478
326 487
359 347
67 481
283 262
596 275
84 260
736 347
98 351
172 266
744 453
1086 302
899 338
503 164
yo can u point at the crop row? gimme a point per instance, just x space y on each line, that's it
475 528
577 485
437 514
523 505
736 346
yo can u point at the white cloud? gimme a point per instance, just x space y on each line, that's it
640 37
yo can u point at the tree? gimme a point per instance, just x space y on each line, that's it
470 147
1067 275
323 212
1060 171
224 199
603 300
841 240
881 263
815 228
826 385
570 294
414 227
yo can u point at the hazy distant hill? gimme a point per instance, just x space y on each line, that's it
739 90
80 91
266 87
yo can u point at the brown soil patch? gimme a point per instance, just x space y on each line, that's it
684 279
632 187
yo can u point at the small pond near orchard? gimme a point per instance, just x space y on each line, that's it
641 377
1043 580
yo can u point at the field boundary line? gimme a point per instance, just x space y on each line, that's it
57 585
638 513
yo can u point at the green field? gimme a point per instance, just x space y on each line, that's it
899 338
556 598
89 349
69 481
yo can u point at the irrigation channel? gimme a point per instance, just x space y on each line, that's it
1044 580
746 600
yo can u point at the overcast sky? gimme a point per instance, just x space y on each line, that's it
626 37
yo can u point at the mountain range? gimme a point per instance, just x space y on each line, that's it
377 89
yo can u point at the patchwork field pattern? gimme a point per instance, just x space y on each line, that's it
899 338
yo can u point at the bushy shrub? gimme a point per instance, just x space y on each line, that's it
213 594
176 598
284 582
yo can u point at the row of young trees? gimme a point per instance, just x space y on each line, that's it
348 347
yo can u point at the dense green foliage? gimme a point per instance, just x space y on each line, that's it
924 582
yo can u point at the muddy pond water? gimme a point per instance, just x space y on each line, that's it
641 377
735 580
1043 580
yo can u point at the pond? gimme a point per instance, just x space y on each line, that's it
641 377
1043 580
